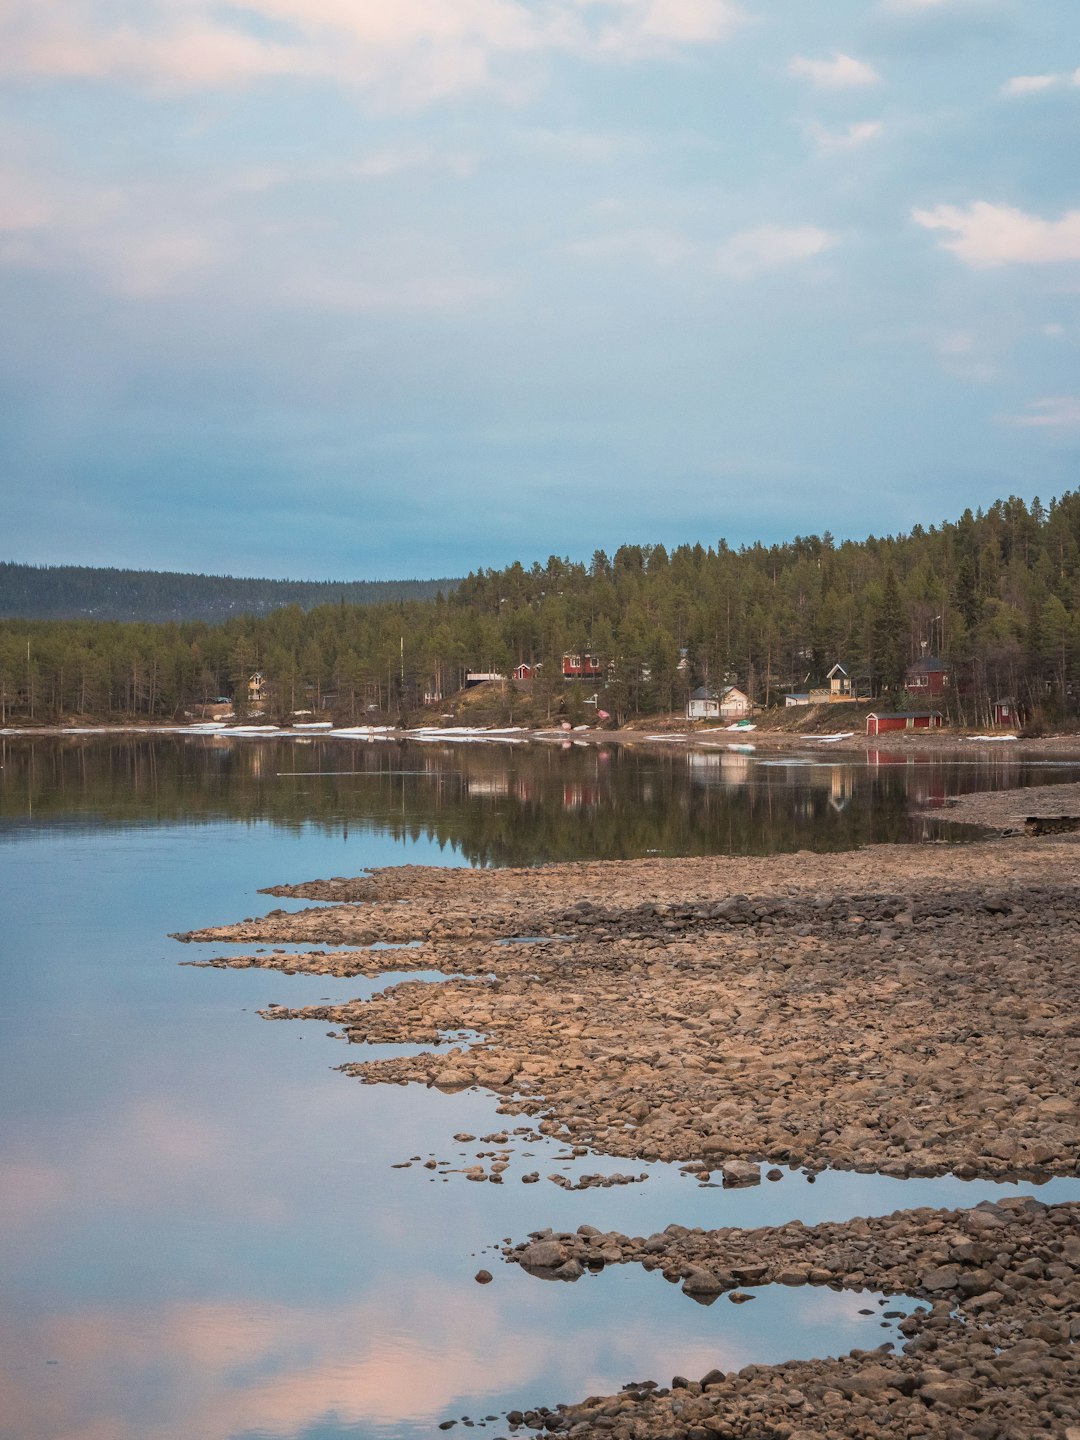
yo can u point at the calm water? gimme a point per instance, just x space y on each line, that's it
204 1236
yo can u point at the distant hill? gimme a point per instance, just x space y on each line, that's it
82 592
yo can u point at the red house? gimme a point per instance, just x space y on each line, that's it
525 671
1007 713
581 667
877 724
928 676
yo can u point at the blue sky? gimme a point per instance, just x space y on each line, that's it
350 288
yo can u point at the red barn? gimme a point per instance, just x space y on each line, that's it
877 724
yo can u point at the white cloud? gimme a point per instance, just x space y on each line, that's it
1053 330
1056 412
408 53
1029 84
985 235
841 72
852 137
772 247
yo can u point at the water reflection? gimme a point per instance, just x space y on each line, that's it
203 1227
520 806
395 1363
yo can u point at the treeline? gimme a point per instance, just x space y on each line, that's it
74 592
996 595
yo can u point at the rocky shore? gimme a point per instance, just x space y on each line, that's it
991 1353
1033 810
903 1009
908 1010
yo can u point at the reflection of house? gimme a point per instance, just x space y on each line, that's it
580 795
257 688
580 667
488 785
877 724
928 676
730 703
841 785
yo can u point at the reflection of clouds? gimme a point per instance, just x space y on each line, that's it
166 1153
411 1351
153 1151
216 1370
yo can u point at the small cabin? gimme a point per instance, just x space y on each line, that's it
581 666
1006 713
256 687
928 676
525 671
841 687
878 723
839 683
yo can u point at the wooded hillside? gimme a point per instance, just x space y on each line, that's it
77 592
996 594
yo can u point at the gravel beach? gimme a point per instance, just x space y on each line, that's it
910 1010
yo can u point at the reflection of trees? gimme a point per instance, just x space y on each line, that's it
497 807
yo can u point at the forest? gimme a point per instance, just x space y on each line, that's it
71 592
995 594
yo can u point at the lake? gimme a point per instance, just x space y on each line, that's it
205 1234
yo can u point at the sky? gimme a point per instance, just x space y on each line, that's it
389 288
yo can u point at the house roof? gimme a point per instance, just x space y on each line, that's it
707 693
837 669
928 665
900 714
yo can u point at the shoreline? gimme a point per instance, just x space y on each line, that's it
912 743
906 1010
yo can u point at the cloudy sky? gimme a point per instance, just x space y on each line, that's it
376 288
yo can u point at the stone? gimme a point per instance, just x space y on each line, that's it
544 1255
741 1172
701 1282
942 1277
950 1394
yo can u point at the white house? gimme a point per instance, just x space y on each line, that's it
730 704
